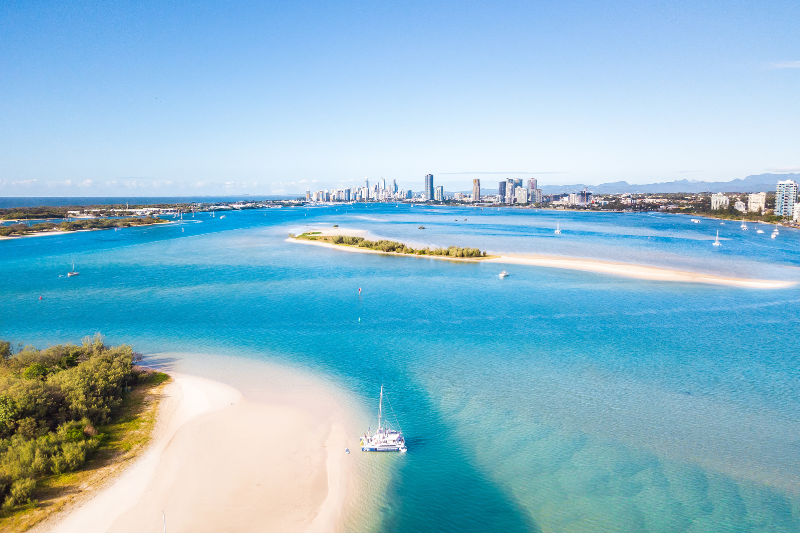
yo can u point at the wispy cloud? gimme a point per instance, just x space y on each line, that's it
24 182
783 64
784 169
497 173
688 171
85 183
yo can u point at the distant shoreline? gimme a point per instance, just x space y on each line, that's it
586 265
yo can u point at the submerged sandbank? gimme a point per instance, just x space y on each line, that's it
221 462
587 265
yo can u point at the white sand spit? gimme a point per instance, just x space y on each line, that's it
220 462
587 265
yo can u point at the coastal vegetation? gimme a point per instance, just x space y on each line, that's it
61 407
394 247
92 223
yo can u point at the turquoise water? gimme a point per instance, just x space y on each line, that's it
552 400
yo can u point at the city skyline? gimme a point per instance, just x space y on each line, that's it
264 99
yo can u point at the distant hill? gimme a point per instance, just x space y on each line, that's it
759 183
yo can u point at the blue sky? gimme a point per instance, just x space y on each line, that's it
158 98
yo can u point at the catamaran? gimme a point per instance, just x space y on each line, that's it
385 439
716 241
72 272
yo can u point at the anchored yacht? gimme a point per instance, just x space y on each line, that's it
385 439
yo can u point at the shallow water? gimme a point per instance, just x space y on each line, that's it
552 400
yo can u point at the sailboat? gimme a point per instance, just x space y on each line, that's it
775 232
716 241
385 439
743 226
72 272
558 228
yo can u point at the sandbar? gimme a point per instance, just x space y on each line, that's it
587 265
221 462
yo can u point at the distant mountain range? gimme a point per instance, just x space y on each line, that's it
759 183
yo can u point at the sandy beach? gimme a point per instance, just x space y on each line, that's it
572 263
221 462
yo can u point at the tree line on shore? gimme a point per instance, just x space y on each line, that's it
52 403
92 223
398 247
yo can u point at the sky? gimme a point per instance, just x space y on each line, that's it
188 98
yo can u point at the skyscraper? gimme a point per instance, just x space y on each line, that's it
511 186
476 190
383 184
394 186
438 194
366 183
785 198
501 190
532 184
429 186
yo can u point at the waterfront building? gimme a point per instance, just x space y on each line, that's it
573 198
521 195
438 193
757 202
740 206
476 190
409 194
428 187
532 184
535 196
719 201
511 185
394 186
785 198
501 191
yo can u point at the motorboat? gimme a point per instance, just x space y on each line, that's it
385 439
503 274
696 221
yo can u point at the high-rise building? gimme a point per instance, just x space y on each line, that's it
757 202
394 186
501 190
719 201
476 190
409 194
429 187
383 184
438 194
536 196
785 198
532 184
366 183
521 195
511 185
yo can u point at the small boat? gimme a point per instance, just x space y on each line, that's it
503 274
716 241
223 216
385 439
743 226
558 228
775 232
759 231
696 221
72 272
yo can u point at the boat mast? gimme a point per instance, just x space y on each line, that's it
380 409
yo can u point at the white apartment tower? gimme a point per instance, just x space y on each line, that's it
757 202
719 201
476 190
785 198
